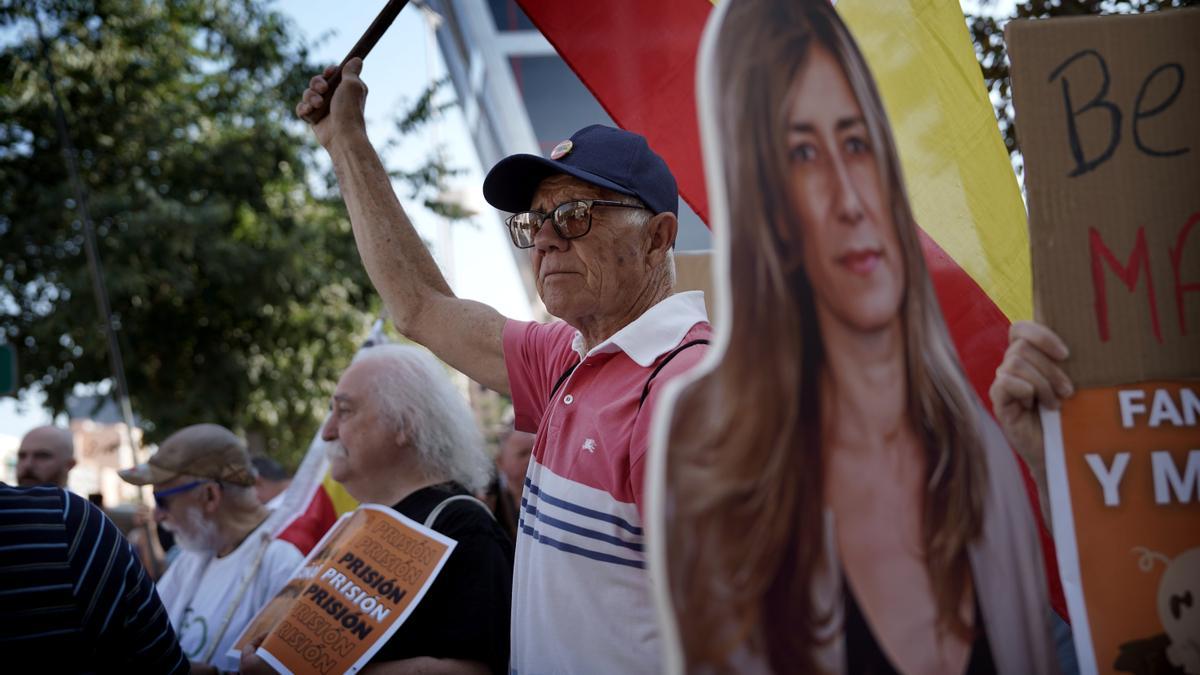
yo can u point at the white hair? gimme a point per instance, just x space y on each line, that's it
195 532
416 397
640 219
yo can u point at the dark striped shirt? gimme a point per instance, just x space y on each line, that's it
73 595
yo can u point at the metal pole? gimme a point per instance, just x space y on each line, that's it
99 288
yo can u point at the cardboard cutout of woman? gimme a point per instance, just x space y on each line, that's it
833 496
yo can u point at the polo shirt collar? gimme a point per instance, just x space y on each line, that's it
657 331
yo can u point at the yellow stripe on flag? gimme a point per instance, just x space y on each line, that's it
341 500
960 182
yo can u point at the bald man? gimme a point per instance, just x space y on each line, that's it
45 457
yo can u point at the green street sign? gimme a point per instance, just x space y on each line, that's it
8 369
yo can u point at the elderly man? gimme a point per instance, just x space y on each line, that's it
399 434
599 216
45 457
230 565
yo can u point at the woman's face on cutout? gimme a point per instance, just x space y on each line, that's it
851 252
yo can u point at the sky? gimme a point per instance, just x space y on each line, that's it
476 255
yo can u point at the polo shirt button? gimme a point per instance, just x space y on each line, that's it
568 399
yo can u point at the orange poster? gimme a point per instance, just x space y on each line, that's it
355 589
1123 465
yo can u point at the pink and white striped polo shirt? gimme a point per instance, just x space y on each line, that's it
581 597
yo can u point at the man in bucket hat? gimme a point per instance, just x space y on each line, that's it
599 218
230 565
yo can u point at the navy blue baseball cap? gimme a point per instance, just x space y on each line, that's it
609 158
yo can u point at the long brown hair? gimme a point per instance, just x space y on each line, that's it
744 523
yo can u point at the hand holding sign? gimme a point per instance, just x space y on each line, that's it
1029 376
354 590
251 663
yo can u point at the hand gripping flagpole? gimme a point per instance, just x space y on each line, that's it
360 50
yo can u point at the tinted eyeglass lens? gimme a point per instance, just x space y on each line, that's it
522 227
572 219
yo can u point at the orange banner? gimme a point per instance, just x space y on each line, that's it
351 594
1124 470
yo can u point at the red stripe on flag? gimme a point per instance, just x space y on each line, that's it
308 529
638 59
980 333
979 328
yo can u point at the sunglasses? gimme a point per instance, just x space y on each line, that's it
571 220
160 498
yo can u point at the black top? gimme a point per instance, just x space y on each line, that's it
465 614
864 656
73 596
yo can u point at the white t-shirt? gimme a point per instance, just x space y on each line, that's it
198 588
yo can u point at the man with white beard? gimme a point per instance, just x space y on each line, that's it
230 565
400 434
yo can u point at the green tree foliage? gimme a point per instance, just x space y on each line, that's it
230 265
427 181
987 32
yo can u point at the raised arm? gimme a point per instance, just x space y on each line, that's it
463 333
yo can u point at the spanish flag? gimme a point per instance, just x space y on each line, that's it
639 60
312 503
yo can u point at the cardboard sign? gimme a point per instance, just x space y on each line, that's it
1124 470
1107 117
354 590
694 272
